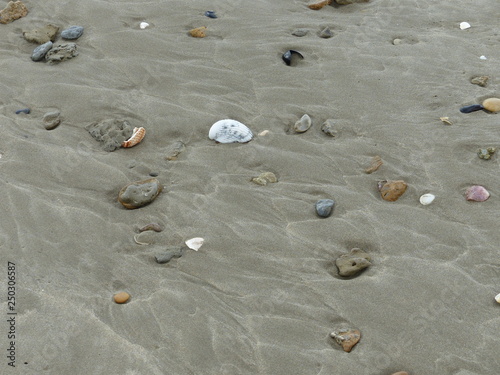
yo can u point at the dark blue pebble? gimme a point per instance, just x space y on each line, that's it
210 14
25 110
324 207
471 108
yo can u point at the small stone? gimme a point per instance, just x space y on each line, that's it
324 207
486 153
40 51
264 178
210 14
171 252
477 193
42 35
347 338
174 150
24 110
392 190
397 41
51 120
353 262
345 2
400 373
328 128
13 11
480 80
61 52
300 32
376 163
303 124
497 298
198 32
319 4
121 297
72 32
325 33
111 133
139 193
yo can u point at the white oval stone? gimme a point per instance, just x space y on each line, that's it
427 199
143 25
464 25
230 131
194 243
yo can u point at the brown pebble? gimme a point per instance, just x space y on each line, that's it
480 80
199 32
152 226
375 164
400 373
319 4
347 338
121 297
13 11
492 104
392 190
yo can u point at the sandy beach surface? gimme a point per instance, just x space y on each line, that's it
263 293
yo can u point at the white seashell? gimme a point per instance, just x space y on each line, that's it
482 57
194 243
264 132
427 199
497 298
230 131
143 25
464 25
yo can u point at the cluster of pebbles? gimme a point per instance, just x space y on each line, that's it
47 50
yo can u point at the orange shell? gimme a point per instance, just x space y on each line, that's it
136 137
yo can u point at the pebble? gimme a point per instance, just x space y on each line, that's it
303 124
111 133
325 33
51 120
345 2
353 262
392 190
328 128
427 199
288 57
376 163
174 150
121 297
300 32
486 153
230 131
324 207
490 104
24 110
198 32
42 35
40 51
61 52
319 4
397 41
264 178
497 298
139 193
477 193
210 14
480 80
400 373
72 32
195 243
13 11
171 252
347 338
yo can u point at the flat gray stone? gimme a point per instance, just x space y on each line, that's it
72 32
40 51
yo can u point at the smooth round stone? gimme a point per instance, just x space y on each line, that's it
303 124
72 32
139 193
324 207
51 120
300 32
121 297
40 51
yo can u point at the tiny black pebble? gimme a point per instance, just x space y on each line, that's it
154 174
210 14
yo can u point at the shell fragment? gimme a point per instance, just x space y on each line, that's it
464 25
427 199
194 243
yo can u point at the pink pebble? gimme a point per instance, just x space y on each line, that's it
477 193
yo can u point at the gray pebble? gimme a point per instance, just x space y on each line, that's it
324 207
40 51
326 33
172 252
72 32
352 263
300 32
328 128
303 124
51 120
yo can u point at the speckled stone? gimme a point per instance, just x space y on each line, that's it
40 51
353 262
111 133
61 52
264 178
392 190
324 207
139 193
480 81
346 338
72 32
13 11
